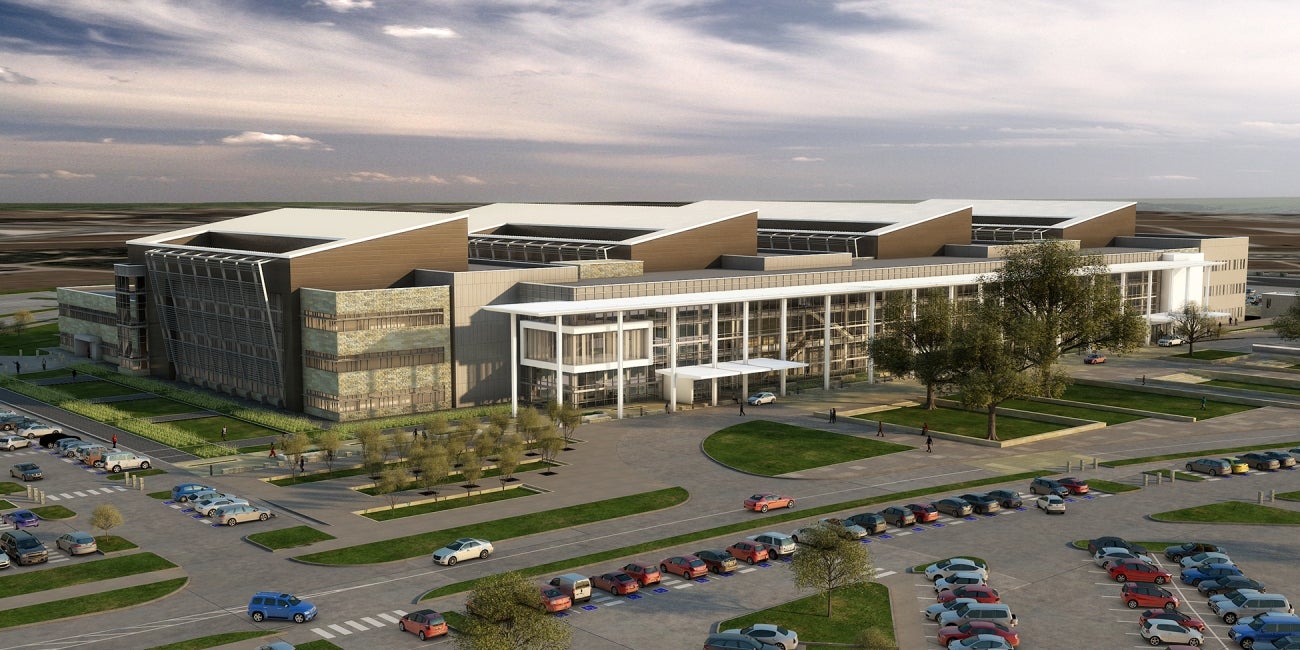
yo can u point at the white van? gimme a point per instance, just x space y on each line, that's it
574 585
120 461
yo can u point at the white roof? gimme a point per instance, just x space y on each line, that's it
659 219
898 215
1070 213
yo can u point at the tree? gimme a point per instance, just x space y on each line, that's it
990 367
329 441
1193 323
1287 325
435 426
295 446
1052 300
550 443
828 560
472 470
500 419
456 444
369 436
509 456
920 346
502 615
390 483
528 423
570 418
373 459
20 321
486 443
106 517
434 467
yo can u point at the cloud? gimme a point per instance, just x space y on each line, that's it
803 159
1274 129
276 139
471 180
1172 177
57 174
379 177
344 6
403 31
10 76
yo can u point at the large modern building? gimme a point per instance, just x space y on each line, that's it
348 314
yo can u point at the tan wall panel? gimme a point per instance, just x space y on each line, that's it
1101 230
379 263
926 238
701 247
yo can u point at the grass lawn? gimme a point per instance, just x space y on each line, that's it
1243 385
164 495
110 543
53 512
27 342
1180 476
93 389
46 374
1225 451
1210 355
448 504
212 641
1173 405
962 423
209 428
1231 512
153 471
855 608
1155 547
9 487
1111 486
318 644
154 406
772 448
6 505
453 480
89 604
290 537
1111 418
17 584
403 548
1289 496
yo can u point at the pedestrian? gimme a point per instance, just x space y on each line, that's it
668 407
1202 403
302 463
74 374
880 428
929 442
18 368
115 441
925 429
1144 379
742 408
833 416
42 364
272 450
223 434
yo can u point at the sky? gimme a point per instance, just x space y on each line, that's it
638 100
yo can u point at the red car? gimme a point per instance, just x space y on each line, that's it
617 583
949 633
924 512
645 574
981 594
686 566
425 624
553 600
764 501
1137 571
1175 616
1137 595
1074 485
748 551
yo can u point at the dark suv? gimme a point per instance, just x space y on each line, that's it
24 547
870 522
1261 461
1047 486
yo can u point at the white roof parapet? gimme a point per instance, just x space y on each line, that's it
731 368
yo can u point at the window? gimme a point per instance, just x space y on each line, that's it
373 360
372 321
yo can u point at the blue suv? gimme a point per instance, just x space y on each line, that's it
184 491
269 604
1265 627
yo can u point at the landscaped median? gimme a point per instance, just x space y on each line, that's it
772 448
856 609
90 604
404 548
1231 512
289 537
18 584
1222 451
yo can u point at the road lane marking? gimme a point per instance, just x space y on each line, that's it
323 634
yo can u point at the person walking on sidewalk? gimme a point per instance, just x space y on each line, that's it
832 418
115 441
880 428
929 442
302 463
223 434
272 449
742 408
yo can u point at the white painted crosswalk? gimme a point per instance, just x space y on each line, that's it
63 496
365 623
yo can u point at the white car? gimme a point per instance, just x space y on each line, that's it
1159 631
933 612
207 506
464 548
38 430
770 634
960 578
1104 555
1169 341
1208 557
957 565
4 560
13 441
1050 503
760 398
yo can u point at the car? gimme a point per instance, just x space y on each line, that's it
63 444
210 505
760 398
1207 557
269 604
1178 551
1176 616
27 472
1211 466
980 642
871 522
718 561
1095 357
645 574
1115 553
996 612
960 578
1159 631
551 599
83 452
195 497
1042 485
37 430
1261 461
1284 643
1135 595
1074 485
1050 503
233 514
616 583
1228 583
764 501
1284 459
845 528
778 544
1266 627
953 507
23 518
981 503
424 623
1238 465
1110 541
14 422
899 516
727 641
1007 498
979 593
116 462
935 611
749 552
924 512
947 568
686 566
1237 605
95 457
77 543
49 440
770 634
70 451
1195 575
1137 571
10 442
4 560
1169 341
183 491
465 548
24 547
952 633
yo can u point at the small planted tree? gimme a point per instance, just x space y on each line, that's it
390 483
435 427
456 444
373 459
500 420
570 419
528 423
21 320
472 470
502 616
329 441
508 458
1193 323
369 437
295 446
550 444
827 560
486 443
106 517
434 468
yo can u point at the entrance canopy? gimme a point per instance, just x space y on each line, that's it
1164 318
731 368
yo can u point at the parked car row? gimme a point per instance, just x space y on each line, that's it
969 612
24 426
25 548
99 455
222 508
1264 461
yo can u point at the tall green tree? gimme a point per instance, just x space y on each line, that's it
1287 325
1194 323
917 339
990 363
434 467
1054 299
570 419
827 560
502 615
329 441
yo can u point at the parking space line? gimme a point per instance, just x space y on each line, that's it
323 634
66 495
80 494
684 585
372 621
340 629
51 497
358 626
389 617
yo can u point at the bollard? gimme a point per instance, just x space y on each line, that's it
1261 497
140 481
1068 464
127 477
42 497
1173 474
29 492
1272 496
1146 480
209 470
1160 478
1094 463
